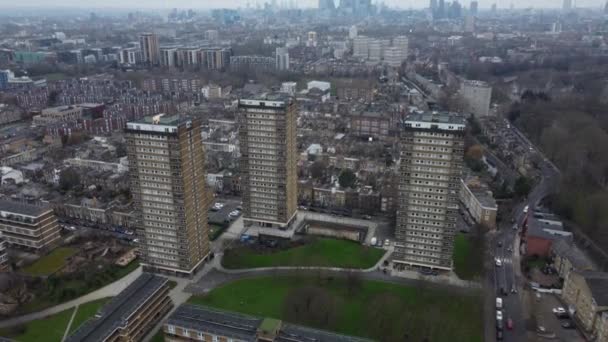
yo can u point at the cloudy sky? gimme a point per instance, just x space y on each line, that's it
237 3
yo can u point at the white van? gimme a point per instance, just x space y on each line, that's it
498 303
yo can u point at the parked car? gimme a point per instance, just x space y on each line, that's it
559 310
526 209
510 324
499 315
499 243
499 335
515 227
387 242
374 241
498 262
568 325
498 303
499 325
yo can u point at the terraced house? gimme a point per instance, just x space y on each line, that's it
586 294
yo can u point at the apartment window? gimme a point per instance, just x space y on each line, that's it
215 338
171 329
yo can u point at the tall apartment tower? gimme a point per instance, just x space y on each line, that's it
432 149
150 48
282 58
267 128
567 5
167 176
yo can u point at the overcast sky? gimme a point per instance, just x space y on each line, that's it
243 3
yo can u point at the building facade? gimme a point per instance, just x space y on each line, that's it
480 203
477 95
130 315
432 149
4 264
167 172
29 226
150 48
282 59
267 129
586 294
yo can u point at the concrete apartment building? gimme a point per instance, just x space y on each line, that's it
33 227
477 95
130 315
167 172
479 202
150 48
201 323
4 265
432 148
586 292
282 59
568 257
58 114
368 124
269 156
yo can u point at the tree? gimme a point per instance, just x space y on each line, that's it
522 186
310 305
69 179
347 178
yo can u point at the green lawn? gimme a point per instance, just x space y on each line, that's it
468 257
49 329
377 310
320 252
215 231
59 290
52 328
86 311
50 263
158 337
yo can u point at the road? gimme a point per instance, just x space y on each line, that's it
508 276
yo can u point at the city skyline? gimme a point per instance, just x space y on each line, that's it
210 4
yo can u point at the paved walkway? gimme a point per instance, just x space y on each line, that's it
109 290
67 328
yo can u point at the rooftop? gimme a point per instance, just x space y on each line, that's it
117 312
245 327
23 208
436 120
568 250
598 284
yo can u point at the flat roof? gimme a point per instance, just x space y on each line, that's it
116 313
245 327
219 322
23 208
436 120
159 123
484 197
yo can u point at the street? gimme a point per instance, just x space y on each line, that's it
508 276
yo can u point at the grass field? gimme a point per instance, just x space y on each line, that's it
377 310
86 311
215 231
468 261
52 328
320 252
49 329
50 263
57 291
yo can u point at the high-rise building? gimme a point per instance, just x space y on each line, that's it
441 11
352 32
432 149
477 95
474 8
282 59
393 56
375 50
433 5
567 5
606 8
361 47
327 5
168 56
167 172
150 48
212 35
311 40
469 24
402 43
267 137
5 75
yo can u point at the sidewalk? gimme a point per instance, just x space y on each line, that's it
109 290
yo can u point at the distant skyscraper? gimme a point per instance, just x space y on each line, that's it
352 32
433 5
327 5
167 172
606 8
269 157
567 5
282 58
212 35
150 48
474 8
469 24
493 8
432 149
361 47
441 11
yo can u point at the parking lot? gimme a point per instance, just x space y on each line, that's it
222 216
547 319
